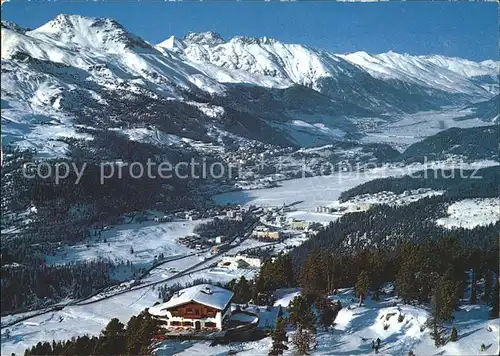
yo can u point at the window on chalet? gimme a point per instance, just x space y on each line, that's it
175 323
187 323
209 324
189 310
211 312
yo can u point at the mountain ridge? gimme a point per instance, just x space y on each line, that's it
258 88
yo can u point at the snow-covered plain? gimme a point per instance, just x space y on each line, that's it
469 213
138 243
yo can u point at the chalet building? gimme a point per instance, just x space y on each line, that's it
201 307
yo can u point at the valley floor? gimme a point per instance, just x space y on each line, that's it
412 128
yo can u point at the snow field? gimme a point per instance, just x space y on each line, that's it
469 213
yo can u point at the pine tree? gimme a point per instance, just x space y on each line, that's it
436 335
454 334
444 300
312 278
494 313
473 291
376 261
487 286
405 278
242 291
301 314
327 314
113 340
277 274
362 285
279 338
302 340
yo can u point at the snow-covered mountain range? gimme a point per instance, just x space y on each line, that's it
75 75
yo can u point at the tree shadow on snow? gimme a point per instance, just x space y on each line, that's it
469 333
363 320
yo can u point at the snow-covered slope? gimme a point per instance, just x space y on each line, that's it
91 72
289 62
343 76
357 327
469 213
453 75
76 74
106 48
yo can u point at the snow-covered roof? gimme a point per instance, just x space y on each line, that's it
205 294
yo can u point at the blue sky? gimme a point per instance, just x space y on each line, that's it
463 29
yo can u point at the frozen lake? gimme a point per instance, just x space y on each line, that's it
325 190
310 192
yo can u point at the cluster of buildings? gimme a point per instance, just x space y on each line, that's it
195 242
273 219
199 242
204 214
249 155
276 218
329 210
164 218
275 224
235 214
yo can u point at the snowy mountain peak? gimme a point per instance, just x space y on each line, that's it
307 94
204 38
254 40
172 43
88 32
13 26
